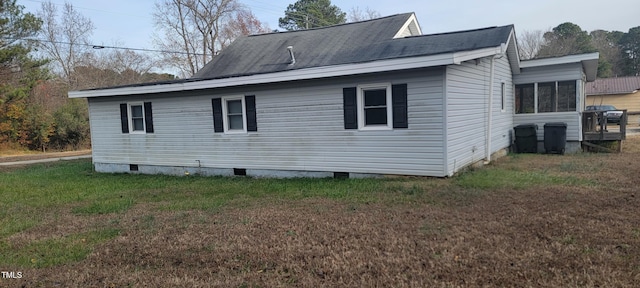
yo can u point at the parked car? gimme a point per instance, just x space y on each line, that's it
612 114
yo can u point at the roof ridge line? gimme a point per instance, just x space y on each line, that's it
464 31
332 26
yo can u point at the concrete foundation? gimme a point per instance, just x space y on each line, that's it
207 171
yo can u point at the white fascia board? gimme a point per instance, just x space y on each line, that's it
559 60
589 63
412 20
292 75
513 53
459 57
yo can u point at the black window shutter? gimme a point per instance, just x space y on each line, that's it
399 99
350 108
252 124
148 117
217 115
124 118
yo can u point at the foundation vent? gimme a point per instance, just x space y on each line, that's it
239 172
341 175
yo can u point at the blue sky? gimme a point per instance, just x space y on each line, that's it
129 22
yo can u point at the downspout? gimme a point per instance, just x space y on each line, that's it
490 113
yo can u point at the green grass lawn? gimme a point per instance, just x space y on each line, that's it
31 194
60 217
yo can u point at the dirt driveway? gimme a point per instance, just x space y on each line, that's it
43 157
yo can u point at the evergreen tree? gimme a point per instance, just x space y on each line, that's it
566 39
630 47
19 73
307 14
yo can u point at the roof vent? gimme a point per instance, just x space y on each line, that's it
293 57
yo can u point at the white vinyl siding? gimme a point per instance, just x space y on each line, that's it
572 119
301 128
563 72
502 118
467 111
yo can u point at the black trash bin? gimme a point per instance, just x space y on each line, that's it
526 138
555 137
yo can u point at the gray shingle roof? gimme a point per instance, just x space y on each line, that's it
342 44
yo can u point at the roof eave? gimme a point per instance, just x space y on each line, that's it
589 63
291 75
459 57
512 52
612 93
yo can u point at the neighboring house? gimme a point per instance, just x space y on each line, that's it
365 98
621 92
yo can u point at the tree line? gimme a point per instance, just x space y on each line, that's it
619 51
44 55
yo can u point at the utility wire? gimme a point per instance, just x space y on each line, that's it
95 46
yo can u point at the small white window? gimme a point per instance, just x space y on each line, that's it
374 107
136 118
233 109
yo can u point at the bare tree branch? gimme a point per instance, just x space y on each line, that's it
356 15
67 35
200 28
529 43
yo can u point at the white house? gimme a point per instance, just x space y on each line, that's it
365 98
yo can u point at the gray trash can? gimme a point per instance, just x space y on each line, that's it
555 137
526 138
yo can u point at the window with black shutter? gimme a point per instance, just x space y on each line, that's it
252 123
136 118
234 114
375 107
124 117
400 114
350 107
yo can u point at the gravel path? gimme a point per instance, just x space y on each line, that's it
43 157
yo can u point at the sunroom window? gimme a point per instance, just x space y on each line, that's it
566 96
550 97
525 99
546 97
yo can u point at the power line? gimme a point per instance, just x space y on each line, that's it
96 46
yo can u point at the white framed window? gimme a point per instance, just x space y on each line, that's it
375 111
233 112
136 118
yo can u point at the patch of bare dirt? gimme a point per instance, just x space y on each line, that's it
58 224
38 156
